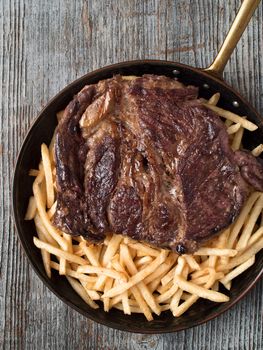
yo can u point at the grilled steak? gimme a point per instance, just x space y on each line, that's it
143 157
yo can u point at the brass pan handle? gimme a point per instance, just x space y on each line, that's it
240 23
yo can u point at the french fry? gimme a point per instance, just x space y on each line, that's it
228 123
134 309
74 274
216 252
190 260
81 292
241 218
48 175
40 227
257 150
153 285
68 238
228 285
31 209
90 254
52 210
179 310
255 236
200 291
33 172
45 255
106 301
214 99
165 267
46 221
167 278
138 277
141 302
148 297
102 271
204 279
248 229
111 249
233 117
144 249
59 252
143 261
233 128
236 143
238 270
125 303
244 256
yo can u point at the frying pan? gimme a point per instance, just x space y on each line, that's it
209 81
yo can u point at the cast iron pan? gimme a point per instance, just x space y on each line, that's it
42 130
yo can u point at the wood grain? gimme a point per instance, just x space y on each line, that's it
43 46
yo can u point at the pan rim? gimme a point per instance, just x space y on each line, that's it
15 182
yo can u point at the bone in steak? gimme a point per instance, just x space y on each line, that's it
144 158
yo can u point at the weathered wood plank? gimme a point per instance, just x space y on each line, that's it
43 46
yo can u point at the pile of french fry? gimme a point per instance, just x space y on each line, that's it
137 278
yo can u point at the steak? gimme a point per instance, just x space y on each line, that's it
144 158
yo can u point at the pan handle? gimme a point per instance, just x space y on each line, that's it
240 23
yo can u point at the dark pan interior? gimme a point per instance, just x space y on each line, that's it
29 156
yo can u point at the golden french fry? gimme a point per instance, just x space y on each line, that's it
106 301
125 303
45 255
141 302
112 247
129 77
241 218
216 252
228 123
43 214
52 210
138 277
200 291
204 279
74 274
214 99
147 295
255 236
233 128
48 175
90 253
143 261
33 172
233 117
144 249
165 267
238 270
81 292
102 271
257 150
244 256
248 229
59 252
31 209
190 260
40 227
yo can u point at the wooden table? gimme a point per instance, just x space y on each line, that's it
44 45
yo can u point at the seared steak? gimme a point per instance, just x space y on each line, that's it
143 157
